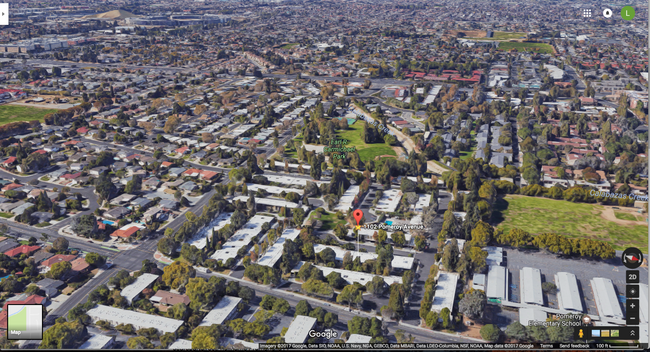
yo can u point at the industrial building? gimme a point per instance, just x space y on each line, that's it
497 284
606 299
568 295
116 316
445 292
223 311
530 280
298 331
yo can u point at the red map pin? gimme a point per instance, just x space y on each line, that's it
358 214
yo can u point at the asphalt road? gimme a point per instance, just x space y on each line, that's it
81 295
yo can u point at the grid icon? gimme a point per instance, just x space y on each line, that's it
586 13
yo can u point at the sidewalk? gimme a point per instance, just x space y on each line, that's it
440 332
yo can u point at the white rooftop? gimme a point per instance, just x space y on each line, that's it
139 320
274 253
389 201
133 290
96 342
222 311
345 203
274 202
199 240
495 255
445 292
354 276
399 262
528 314
568 295
181 344
241 238
227 341
605 297
531 286
271 189
357 338
288 180
497 282
298 331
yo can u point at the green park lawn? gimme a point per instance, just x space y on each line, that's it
508 35
329 220
472 147
288 46
539 215
15 113
366 151
541 48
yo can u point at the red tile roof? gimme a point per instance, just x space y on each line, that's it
126 233
24 249
57 259
11 186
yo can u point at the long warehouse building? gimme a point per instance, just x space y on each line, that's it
568 295
530 280
605 297
497 283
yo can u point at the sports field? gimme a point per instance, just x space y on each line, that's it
366 151
539 215
541 48
14 113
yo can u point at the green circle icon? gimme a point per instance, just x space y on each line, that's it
627 13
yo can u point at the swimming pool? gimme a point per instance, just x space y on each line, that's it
107 222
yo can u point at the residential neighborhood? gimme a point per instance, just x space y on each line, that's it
220 175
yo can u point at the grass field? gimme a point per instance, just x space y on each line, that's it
508 35
14 113
291 152
472 147
329 221
288 46
366 151
542 48
539 215
625 216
